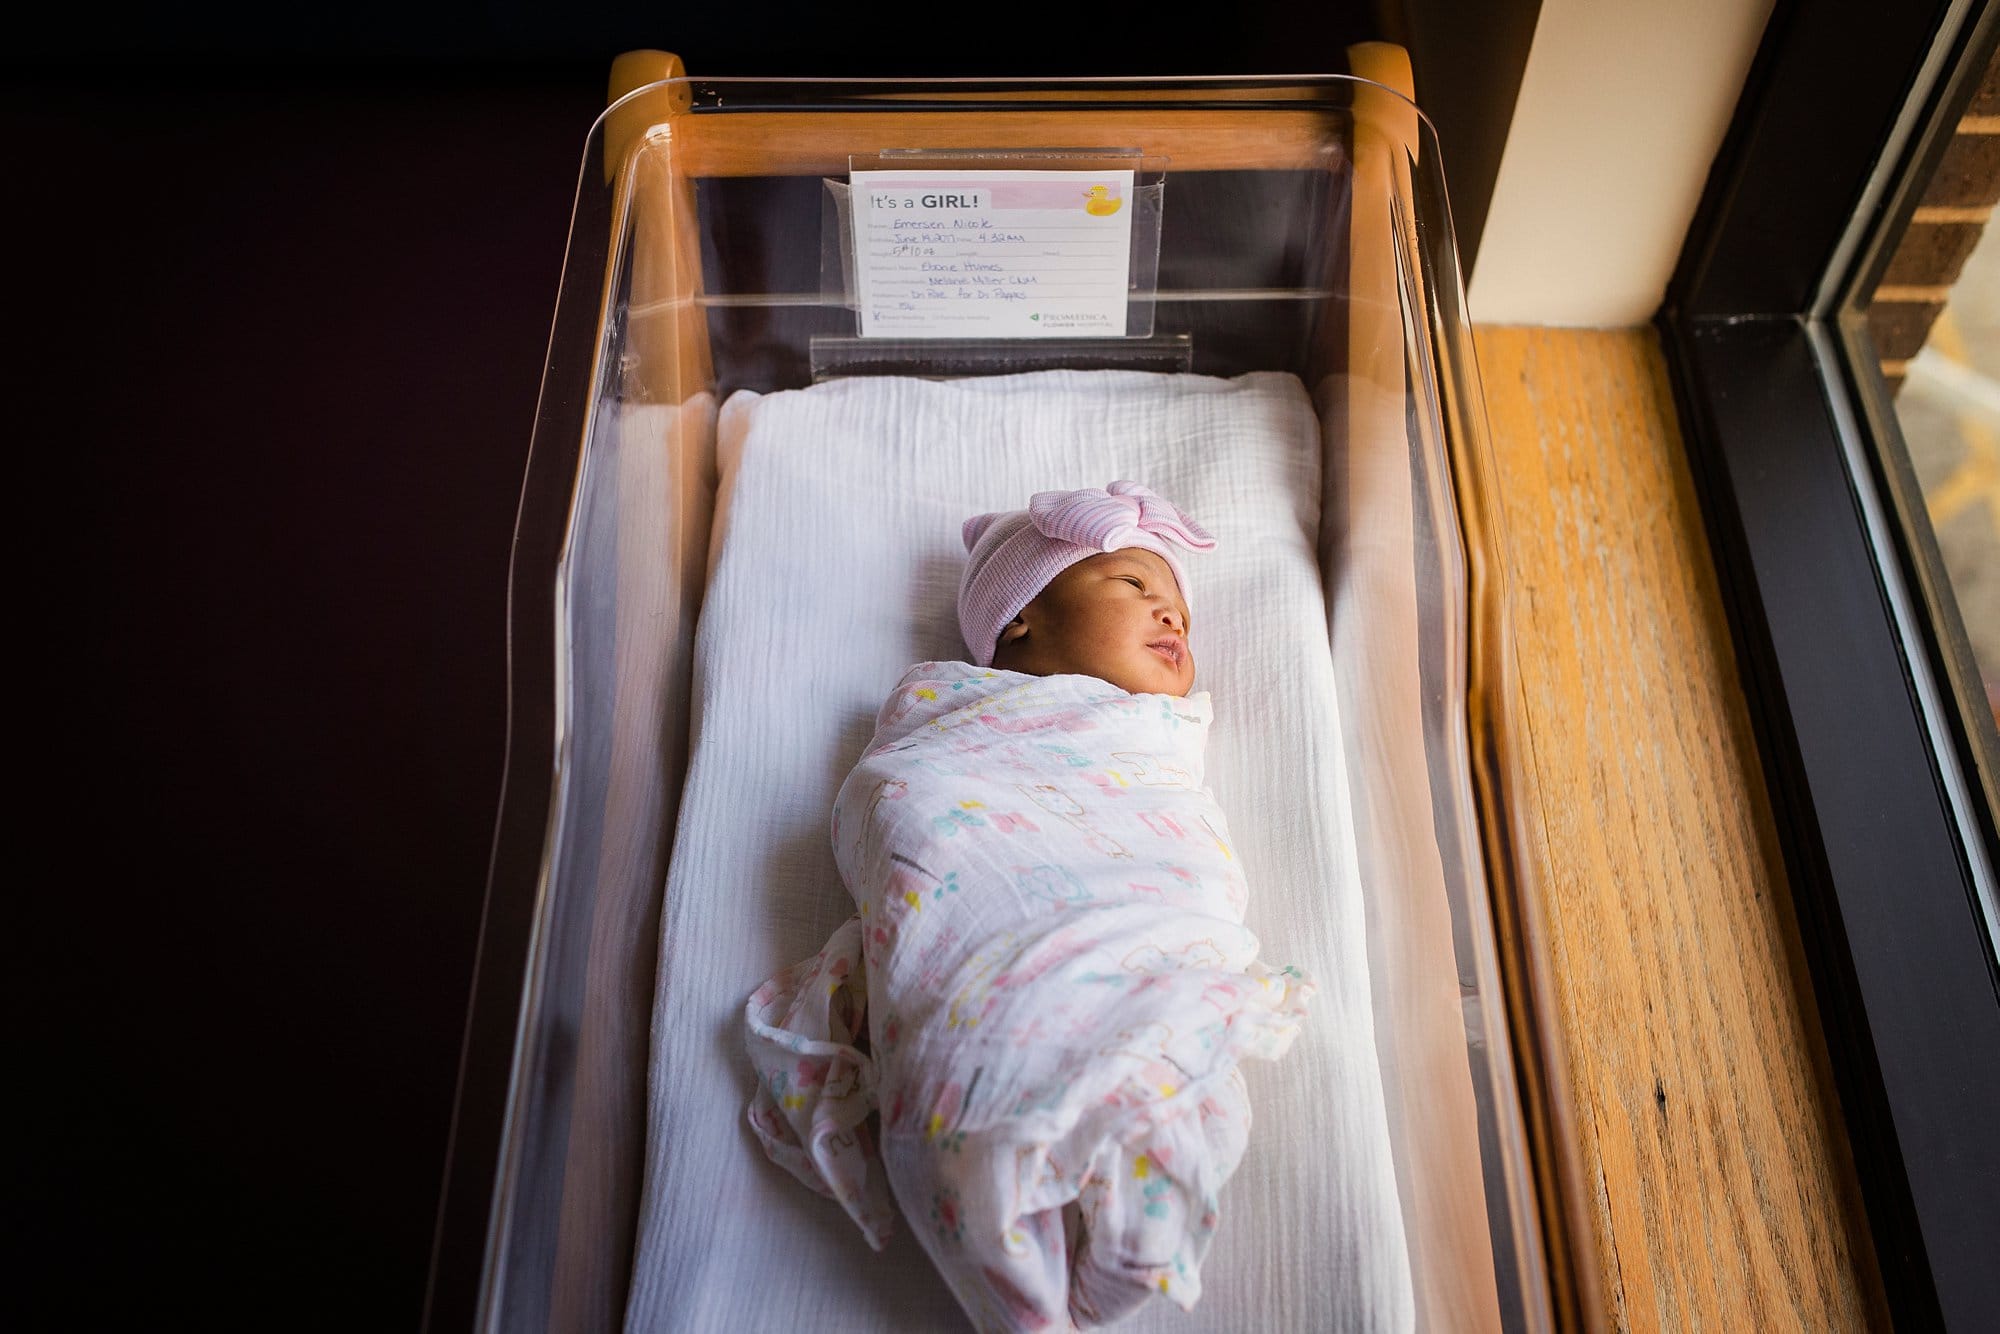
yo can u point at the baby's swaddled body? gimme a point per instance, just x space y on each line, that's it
1049 963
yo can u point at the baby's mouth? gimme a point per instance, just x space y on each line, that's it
1172 648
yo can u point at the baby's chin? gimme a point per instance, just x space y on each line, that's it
1148 679
1140 676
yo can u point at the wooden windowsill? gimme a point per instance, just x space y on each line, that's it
1722 1192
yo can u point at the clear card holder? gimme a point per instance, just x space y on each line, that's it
1138 349
952 358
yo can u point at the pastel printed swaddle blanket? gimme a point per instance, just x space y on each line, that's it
1049 964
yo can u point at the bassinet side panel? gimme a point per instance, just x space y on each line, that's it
658 456
1374 604
639 569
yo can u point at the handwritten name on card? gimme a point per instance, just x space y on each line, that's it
992 254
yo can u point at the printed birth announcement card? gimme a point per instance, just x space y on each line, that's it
992 254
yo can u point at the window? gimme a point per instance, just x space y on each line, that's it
1877 742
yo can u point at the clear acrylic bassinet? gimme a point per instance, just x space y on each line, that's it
1303 227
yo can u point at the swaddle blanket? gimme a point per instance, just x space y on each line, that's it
1050 966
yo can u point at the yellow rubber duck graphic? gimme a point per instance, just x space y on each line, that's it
1098 203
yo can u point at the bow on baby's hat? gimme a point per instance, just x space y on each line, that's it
1109 518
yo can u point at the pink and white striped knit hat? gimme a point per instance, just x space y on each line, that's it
1014 555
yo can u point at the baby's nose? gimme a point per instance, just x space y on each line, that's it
1171 617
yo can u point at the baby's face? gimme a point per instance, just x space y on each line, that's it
1118 617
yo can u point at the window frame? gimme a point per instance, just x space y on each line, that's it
1852 656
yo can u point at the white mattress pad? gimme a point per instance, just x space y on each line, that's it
835 565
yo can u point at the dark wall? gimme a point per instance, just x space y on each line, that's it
787 37
1468 58
279 299
276 350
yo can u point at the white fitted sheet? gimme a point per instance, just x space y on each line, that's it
835 565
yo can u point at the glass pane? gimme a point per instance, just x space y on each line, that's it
1948 402
1928 299
1926 306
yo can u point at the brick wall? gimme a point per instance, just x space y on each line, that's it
1954 210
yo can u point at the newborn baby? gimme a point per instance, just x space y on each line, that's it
1047 987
